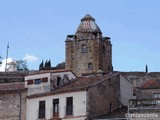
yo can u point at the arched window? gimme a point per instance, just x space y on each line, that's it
90 66
84 49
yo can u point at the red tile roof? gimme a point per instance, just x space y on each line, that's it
78 84
15 86
151 84
16 76
48 71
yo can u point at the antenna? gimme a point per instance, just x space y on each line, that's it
6 56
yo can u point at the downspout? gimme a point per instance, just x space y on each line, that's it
20 98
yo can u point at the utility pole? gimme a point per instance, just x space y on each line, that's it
7 56
146 69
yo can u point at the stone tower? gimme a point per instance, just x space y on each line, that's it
87 51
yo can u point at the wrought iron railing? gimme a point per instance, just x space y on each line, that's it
152 103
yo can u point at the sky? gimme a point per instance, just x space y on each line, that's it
36 30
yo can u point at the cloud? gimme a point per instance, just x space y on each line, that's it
30 58
2 67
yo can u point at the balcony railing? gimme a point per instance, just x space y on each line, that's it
152 103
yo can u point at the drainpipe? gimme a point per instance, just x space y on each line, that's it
20 98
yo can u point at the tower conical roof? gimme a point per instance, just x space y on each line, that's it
88 25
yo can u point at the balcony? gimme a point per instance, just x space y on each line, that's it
144 104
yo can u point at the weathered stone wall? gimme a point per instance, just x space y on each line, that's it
13 106
104 97
98 53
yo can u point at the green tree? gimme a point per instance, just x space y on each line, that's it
41 65
21 65
49 63
46 63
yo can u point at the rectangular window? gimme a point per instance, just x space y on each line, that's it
69 106
55 107
41 113
45 79
29 82
37 81
58 81
84 49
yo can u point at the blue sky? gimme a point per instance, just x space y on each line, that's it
37 29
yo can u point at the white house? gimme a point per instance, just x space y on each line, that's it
79 98
64 106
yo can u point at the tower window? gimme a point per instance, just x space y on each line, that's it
108 68
84 49
90 66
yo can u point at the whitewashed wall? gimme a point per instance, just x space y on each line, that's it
46 86
126 90
38 88
79 105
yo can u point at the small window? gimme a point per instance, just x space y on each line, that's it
84 49
58 81
90 66
108 68
29 82
45 79
37 81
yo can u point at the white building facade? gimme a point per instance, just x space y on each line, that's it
58 106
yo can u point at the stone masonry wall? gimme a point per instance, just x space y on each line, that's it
10 106
98 53
103 97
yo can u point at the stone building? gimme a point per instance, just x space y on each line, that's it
87 51
13 101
